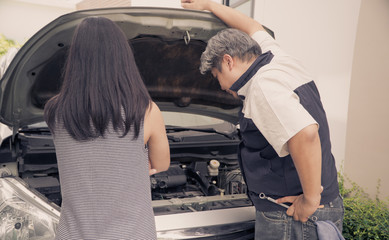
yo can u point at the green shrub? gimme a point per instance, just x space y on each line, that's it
364 218
5 44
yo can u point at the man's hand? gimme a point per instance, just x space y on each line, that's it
195 4
230 16
301 208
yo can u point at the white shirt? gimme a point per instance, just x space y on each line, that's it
270 100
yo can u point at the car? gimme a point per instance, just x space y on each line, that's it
201 196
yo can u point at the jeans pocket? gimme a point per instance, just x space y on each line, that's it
276 216
271 225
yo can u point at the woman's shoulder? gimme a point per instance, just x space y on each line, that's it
152 121
152 110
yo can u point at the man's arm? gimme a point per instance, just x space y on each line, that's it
305 150
229 16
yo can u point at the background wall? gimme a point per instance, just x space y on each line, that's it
322 35
19 20
367 141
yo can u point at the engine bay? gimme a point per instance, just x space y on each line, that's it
202 175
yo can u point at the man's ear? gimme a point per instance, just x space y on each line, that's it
227 59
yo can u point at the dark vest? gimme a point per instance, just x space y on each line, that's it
263 170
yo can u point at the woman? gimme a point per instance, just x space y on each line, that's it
101 121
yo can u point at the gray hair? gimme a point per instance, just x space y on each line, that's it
228 41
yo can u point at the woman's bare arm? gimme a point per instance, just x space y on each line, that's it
156 140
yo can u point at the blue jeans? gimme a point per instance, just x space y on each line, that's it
279 226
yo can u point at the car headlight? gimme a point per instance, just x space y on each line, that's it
25 214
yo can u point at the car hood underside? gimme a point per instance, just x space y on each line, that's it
167 45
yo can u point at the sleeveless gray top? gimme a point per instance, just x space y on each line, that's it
105 187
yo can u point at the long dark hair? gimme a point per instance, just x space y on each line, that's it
101 85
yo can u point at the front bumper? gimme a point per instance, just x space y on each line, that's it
26 214
228 223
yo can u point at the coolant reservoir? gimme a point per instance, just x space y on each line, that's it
213 167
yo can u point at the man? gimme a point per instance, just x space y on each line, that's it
285 151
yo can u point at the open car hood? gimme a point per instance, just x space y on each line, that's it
167 46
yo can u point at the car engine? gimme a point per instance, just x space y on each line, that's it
201 176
